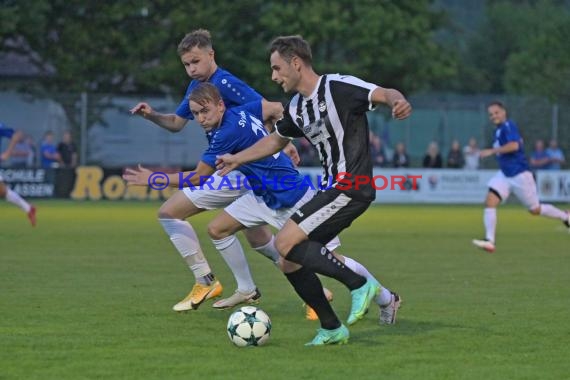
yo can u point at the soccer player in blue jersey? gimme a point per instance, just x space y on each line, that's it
514 176
329 111
197 56
5 192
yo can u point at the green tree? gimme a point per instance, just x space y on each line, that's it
542 67
522 48
386 42
130 46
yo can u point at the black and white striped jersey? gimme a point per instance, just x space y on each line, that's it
333 119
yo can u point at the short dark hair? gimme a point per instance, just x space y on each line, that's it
200 38
292 46
497 103
205 92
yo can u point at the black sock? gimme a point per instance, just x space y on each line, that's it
319 259
309 288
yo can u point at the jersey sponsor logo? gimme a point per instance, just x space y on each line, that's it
316 132
242 120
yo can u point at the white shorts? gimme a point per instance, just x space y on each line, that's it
250 210
219 195
522 185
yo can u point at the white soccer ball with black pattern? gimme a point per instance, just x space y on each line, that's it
249 326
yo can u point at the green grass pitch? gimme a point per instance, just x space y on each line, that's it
88 294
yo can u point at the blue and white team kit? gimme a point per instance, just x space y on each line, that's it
514 174
234 93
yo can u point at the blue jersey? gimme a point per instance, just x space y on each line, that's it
512 163
234 92
272 178
5 131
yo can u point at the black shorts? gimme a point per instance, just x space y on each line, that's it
327 214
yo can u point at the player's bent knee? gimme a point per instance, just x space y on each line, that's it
165 213
170 212
282 245
217 232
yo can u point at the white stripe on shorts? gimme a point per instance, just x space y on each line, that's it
315 220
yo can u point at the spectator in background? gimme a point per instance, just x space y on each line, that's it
377 152
455 158
49 156
67 151
400 158
21 152
471 154
432 159
539 159
555 155
307 155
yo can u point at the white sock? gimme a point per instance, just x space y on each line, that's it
184 238
15 198
385 297
232 252
552 212
268 250
490 222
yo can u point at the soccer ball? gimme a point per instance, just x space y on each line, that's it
249 326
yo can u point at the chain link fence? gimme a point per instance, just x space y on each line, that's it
444 118
107 134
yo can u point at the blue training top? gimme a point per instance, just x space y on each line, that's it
233 90
273 178
512 163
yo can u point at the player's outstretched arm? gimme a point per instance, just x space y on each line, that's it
265 147
170 122
142 176
394 99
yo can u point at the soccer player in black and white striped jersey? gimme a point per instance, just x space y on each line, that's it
329 111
